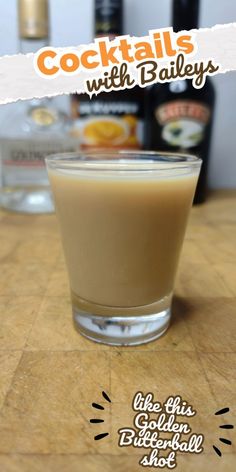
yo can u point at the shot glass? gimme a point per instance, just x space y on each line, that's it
123 217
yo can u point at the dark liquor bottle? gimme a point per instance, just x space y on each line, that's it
180 117
113 120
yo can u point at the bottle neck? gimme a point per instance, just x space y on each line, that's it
27 45
33 27
32 45
108 18
185 14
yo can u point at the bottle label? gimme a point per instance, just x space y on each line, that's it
23 160
31 153
43 116
101 124
183 122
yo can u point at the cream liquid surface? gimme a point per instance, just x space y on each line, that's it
122 232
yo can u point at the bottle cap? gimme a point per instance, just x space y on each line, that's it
33 19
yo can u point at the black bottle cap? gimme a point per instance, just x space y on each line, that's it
185 14
108 17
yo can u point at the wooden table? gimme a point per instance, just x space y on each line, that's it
50 374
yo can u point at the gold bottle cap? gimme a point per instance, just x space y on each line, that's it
33 19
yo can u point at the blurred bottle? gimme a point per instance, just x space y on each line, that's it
36 129
114 119
180 117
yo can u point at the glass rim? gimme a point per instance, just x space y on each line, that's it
122 160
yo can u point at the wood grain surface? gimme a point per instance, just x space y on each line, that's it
50 374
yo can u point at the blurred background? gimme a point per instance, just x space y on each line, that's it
72 23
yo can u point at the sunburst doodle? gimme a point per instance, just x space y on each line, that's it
97 406
223 426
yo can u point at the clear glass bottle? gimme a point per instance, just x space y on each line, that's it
36 129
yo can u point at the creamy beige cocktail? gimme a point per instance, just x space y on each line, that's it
123 220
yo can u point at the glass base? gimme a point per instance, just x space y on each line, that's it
122 330
28 200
